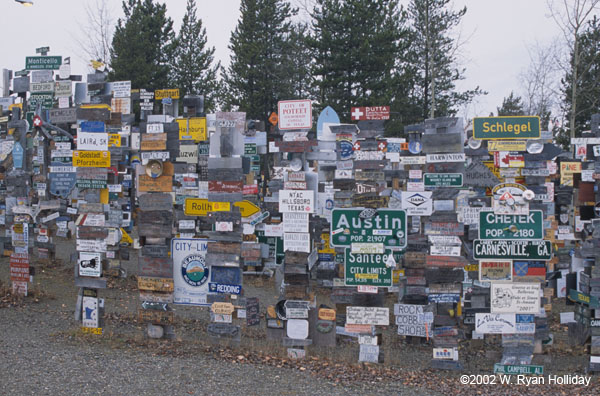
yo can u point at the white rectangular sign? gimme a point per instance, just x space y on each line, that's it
90 264
89 308
190 271
298 201
91 245
296 242
295 114
418 203
368 316
295 222
515 298
92 141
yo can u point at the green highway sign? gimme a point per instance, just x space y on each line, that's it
46 99
362 269
443 179
250 149
513 127
512 250
518 369
353 225
43 62
500 226
583 298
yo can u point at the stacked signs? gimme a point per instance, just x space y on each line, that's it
460 232
510 248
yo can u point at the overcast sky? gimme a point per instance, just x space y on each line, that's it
499 33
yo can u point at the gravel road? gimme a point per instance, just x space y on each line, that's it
37 358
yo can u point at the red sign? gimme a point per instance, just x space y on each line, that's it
19 267
370 113
225 186
250 189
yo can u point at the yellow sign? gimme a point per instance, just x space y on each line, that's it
192 128
507 145
201 207
92 330
567 169
166 93
326 246
95 106
94 159
96 64
125 238
396 274
104 196
472 267
247 208
15 105
114 140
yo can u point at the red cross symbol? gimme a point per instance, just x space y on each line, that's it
356 146
357 113
37 121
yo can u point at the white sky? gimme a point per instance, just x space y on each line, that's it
499 32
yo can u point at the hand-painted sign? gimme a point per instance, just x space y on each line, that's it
522 298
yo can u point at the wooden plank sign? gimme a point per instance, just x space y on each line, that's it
158 184
155 284
155 316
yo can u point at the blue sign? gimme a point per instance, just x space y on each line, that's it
222 288
18 155
92 126
167 101
346 150
61 183
415 147
328 115
226 275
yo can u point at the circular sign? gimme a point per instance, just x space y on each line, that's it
346 150
528 195
535 146
154 168
64 71
296 164
414 147
474 143
194 270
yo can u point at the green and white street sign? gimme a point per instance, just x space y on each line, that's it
500 226
43 62
518 369
513 127
512 250
443 179
250 149
362 269
353 225
46 99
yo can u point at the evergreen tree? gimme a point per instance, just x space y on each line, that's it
432 56
511 106
356 45
192 71
256 77
142 45
588 79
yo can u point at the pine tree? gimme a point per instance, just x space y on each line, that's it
432 55
355 44
192 71
142 45
511 106
256 76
